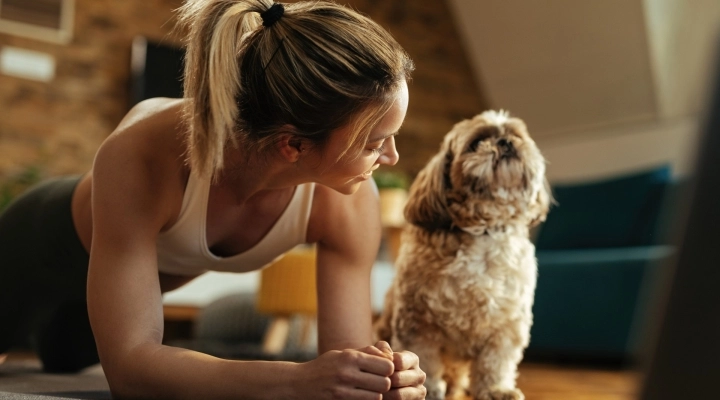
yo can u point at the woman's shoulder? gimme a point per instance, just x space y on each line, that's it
334 212
147 151
153 131
153 118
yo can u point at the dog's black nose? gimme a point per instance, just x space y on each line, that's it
505 145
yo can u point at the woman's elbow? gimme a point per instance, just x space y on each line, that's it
125 376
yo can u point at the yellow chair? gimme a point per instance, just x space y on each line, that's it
392 204
287 289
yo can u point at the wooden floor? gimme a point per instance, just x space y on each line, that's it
552 382
538 381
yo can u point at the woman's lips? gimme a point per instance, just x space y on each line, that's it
368 174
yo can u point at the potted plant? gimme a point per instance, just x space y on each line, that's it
393 187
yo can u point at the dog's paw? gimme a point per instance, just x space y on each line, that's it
459 395
501 394
436 389
435 395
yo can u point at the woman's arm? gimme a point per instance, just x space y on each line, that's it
131 196
130 202
349 232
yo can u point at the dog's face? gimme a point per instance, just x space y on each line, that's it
488 173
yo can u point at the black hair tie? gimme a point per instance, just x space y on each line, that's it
272 14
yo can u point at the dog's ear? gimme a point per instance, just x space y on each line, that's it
427 202
541 206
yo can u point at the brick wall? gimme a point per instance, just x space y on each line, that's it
443 90
60 125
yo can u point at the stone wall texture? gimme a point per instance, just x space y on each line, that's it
58 126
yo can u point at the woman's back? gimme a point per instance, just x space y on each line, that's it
276 96
150 134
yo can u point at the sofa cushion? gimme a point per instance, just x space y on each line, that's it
617 212
594 303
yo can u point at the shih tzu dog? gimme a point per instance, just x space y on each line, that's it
466 271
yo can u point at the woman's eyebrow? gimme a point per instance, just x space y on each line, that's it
383 137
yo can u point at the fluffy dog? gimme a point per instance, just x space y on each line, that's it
466 272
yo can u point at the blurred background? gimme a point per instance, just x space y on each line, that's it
604 86
613 91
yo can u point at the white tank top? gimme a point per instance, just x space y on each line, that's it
183 249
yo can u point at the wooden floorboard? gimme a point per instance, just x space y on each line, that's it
552 382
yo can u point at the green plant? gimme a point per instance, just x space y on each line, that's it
391 180
17 183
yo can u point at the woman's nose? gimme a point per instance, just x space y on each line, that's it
390 156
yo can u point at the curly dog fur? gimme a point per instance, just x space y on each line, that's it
466 272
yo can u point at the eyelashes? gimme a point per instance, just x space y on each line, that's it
379 150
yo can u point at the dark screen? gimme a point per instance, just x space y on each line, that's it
160 75
685 362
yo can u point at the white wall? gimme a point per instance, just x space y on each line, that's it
605 86
562 65
618 151
684 38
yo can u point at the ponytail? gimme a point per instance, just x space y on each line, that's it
314 65
212 77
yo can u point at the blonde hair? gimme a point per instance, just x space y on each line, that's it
319 67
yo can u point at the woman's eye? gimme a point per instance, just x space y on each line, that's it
378 150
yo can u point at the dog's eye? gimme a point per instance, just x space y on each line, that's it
476 142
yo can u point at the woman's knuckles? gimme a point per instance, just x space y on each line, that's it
346 376
408 378
388 385
405 360
406 393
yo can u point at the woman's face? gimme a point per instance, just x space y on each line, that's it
346 174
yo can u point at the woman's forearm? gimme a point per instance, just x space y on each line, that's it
336 343
163 372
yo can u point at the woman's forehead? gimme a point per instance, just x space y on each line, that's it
391 122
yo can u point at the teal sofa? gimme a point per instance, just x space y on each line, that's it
599 253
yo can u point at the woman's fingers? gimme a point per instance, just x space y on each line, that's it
348 393
375 351
375 364
406 393
405 360
406 378
384 347
347 375
371 382
407 373
411 377
372 371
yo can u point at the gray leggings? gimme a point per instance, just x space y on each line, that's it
43 274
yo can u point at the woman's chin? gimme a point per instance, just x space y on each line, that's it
349 187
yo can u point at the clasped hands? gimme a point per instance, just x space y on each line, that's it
370 373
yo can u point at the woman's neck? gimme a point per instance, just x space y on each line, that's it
245 177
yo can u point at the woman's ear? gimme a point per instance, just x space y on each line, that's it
290 145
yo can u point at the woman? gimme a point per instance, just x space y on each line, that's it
287 112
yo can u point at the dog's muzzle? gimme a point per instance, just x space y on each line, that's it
506 149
